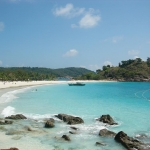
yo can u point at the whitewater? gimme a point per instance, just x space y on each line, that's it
127 102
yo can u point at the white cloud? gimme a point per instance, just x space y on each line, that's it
116 39
94 67
0 62
88 18
2 26
107 63
89 21
136 57
71 53
133 52
68 11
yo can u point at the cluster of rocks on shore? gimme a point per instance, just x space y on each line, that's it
120 137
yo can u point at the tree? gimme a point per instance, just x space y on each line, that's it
148 61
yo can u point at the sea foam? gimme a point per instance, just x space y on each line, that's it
8 111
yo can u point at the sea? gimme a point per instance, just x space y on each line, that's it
127 102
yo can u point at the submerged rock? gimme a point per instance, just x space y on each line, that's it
72 132
70 119
129 142
107 133
74 128
100 144
5 122
66 138
18 116
107 119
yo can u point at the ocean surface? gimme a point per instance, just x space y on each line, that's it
127 102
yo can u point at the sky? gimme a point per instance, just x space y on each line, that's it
73 33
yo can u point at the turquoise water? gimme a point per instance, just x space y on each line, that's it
128 103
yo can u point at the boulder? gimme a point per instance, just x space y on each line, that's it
66 138
16 117
107 119
129 142
107 133
5 122
49 124
70 119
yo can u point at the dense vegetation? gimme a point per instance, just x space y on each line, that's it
35 73
129 70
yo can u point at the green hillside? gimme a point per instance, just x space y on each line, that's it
35 73
129 70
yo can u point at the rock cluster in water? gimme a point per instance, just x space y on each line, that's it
121 137
70 119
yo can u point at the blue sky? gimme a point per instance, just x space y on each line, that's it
73 33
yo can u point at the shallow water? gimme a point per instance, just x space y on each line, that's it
128 103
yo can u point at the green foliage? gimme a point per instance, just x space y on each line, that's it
129 70
35 73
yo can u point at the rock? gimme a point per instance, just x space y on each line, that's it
72 132
65 137
18 116
52 120
74 128
49 124
13 149
129 142
5 122
70 119
106 133
107 119
100 144
28 128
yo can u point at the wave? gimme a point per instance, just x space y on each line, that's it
9 96
8 111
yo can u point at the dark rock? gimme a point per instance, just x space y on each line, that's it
106 133
70 119
18 116
74 128
72 132
5 122
107 119
65 137
129 142
52 120
28 128
49 124
10 149
100 144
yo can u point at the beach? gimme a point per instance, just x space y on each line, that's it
41 100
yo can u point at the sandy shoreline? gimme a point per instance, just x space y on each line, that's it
10 86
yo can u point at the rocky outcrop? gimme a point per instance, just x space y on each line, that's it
66 138
70 119
49 123
5 122
16 117
107 133
107 119
129 142
11 149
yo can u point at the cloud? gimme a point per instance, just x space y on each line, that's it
88 18
133 52
0 62
89 21
2 26
107 63
68 11
71 53
94 67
